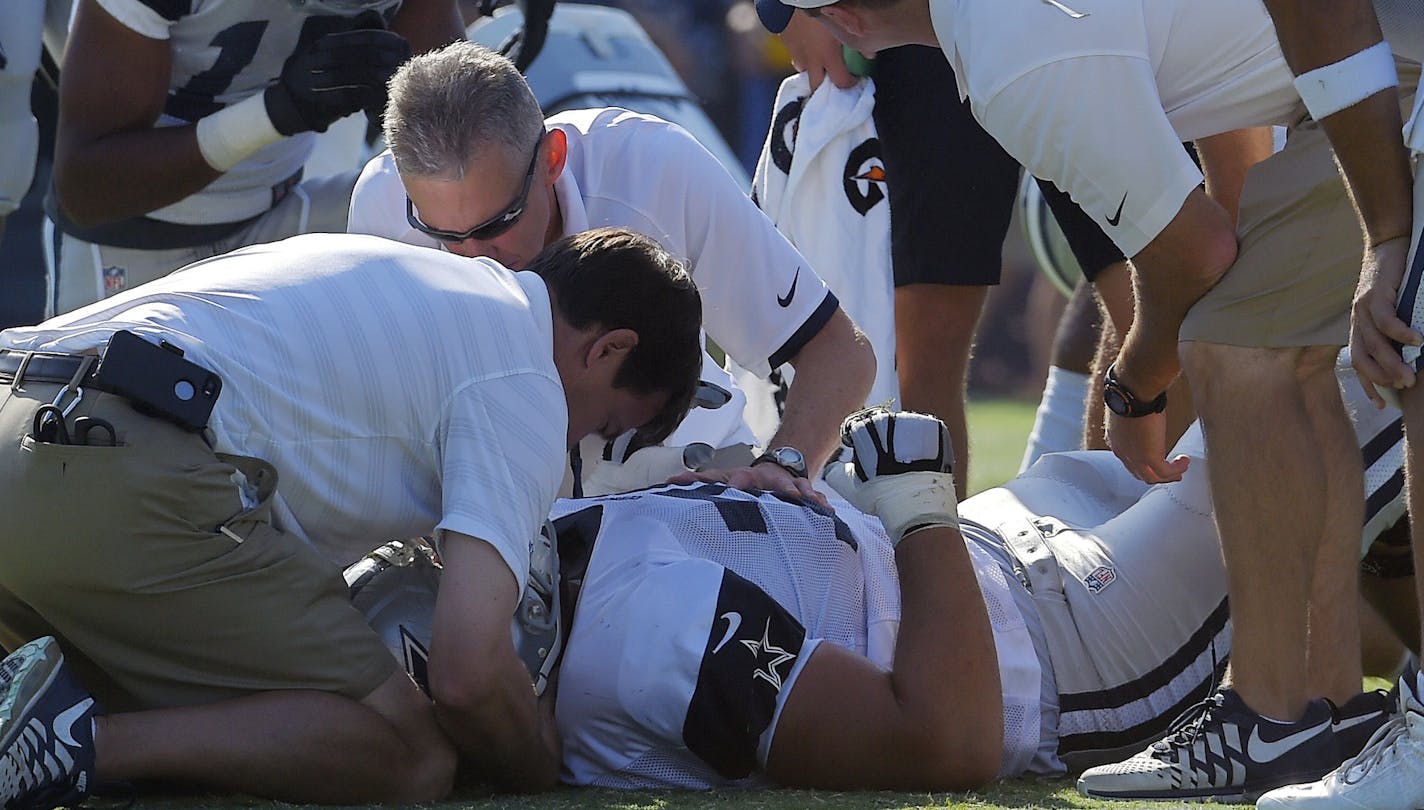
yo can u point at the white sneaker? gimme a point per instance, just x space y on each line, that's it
1387 775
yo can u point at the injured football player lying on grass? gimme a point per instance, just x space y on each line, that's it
721 638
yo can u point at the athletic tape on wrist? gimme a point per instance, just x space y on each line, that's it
1331 88
230 135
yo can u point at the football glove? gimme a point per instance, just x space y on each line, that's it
625 467
334 76
900 470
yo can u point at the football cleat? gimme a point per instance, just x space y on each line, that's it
1387 775
1220 750
46 730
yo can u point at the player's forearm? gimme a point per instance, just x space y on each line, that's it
1365 135
429 24
128 174
834 372
946 672
496 726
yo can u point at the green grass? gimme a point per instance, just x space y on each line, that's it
1013 793
998 431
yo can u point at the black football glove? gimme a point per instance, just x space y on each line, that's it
336 75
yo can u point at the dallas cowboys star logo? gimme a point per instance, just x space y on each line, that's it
775 656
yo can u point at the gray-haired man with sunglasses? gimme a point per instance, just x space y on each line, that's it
474 167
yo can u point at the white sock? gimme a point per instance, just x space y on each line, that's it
1058 424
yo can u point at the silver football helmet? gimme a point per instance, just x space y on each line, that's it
395 588
1045 238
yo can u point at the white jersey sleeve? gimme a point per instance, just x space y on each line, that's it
378 204
21 23
761 300
501 457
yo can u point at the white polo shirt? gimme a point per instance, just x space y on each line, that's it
761 301
396 391
1097 95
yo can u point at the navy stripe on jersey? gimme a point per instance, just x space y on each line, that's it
1381 442
1409 303
1144 732
1160 676
170 10
808 330
1385 495
751 650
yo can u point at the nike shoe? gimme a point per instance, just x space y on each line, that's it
1358 718
1220 750
1387 775
46 730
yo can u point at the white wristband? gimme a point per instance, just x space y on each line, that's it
1331 88
230 135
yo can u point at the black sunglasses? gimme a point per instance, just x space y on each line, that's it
491 228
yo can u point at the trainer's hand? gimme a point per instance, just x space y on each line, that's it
337 74
816 52
901 470
1140 443
1376 332
766 476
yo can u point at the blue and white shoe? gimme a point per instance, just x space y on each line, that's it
1387 775
46 730
1221 750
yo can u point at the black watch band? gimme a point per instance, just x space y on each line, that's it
1121 401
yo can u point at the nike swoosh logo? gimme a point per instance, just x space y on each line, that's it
791 293
1355 721
64 722
734 620
1077 15
1261 751
1117 217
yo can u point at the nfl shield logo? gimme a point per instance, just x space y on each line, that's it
114 278
1101 577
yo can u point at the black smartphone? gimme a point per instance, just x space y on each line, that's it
157 380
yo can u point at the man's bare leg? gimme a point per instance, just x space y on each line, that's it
934 338
1274 424
297 746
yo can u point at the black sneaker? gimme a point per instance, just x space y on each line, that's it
1220 750
46 730
1357 719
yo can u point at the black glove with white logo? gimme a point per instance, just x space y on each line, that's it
334 76
900 470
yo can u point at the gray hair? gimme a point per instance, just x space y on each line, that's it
450 104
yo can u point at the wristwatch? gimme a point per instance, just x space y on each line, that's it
787 458
1123 402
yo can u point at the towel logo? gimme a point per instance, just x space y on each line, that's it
783 134
865 176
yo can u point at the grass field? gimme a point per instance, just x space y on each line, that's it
998 429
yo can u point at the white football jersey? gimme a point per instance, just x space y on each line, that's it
698 608
225 51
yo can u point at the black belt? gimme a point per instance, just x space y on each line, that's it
42 367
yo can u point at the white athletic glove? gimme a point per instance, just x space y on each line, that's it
900 470
622 471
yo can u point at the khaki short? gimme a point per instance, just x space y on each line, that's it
1299 255
118 552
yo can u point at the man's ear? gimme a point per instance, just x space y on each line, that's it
556 154
848 17
611 347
